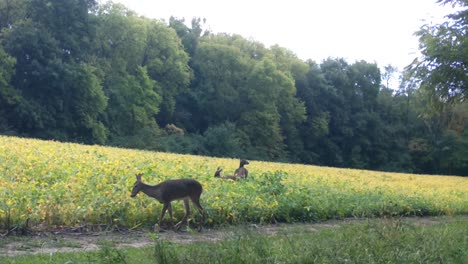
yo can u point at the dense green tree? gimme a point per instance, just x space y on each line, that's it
442 76
442 69
190 36
445 140
127 42
9 97
11 11
121 38
219 90
452 153
87 102
261 120
133 102
291 109
167 64
366 126
46 73
69 22
397 121
144 69
339 98
78 71
240 81
315 92
223 141
343 126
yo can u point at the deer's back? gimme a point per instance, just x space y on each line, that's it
180 188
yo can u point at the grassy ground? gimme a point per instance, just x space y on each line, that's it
48 185
395 240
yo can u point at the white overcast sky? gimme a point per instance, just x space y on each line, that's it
373 30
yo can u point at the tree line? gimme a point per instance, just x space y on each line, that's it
79 71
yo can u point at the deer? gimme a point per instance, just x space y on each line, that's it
227 177
242 172
172 190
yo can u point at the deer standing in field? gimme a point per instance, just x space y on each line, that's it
227 177
172 190
242 172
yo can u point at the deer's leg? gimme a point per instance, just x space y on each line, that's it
169 208
163 212
187 213
196 201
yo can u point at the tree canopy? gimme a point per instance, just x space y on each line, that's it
80 71
443 67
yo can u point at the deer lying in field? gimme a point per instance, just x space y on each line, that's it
227 177
171 190
242 172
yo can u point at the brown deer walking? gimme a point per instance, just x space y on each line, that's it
227 177
242 172
171 190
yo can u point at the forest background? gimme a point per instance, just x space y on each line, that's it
80 71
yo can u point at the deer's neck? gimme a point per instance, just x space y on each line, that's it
152 191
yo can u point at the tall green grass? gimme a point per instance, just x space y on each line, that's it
371 241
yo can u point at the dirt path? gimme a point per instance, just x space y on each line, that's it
50 242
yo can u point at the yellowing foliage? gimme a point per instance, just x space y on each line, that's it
68 184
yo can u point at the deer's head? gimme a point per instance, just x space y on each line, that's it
137 186
218 172
243 162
